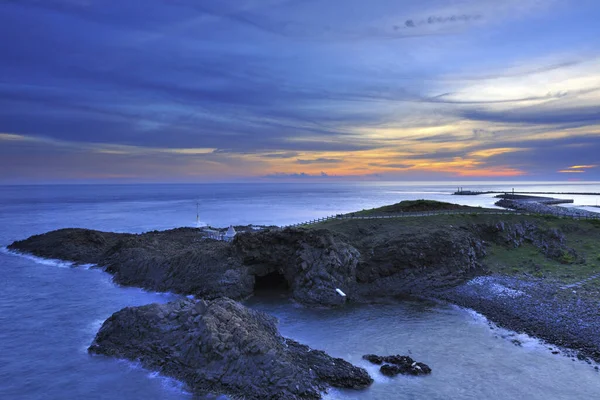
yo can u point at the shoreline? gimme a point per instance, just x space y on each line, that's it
525 308
468 304
456 297
368 259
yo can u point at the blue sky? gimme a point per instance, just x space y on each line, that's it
185 90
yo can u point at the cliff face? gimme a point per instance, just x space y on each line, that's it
313 263
415 263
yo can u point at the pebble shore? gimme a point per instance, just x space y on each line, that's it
560 316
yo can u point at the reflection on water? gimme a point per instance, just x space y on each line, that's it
49 312
469 359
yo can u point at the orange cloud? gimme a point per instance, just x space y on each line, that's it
576 169
496 172
582 166
495 152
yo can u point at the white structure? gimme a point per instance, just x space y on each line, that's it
230 234
218 235
212 234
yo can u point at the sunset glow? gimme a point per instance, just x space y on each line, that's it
340 90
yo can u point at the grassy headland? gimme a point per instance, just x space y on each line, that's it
503 256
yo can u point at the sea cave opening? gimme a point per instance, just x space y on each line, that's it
271 282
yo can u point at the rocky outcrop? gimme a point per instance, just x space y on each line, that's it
176 260
312 262
223 347
413 263
550 241
394 365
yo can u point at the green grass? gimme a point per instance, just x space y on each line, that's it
414 206
527 260
581 235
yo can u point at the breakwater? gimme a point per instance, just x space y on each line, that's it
477 193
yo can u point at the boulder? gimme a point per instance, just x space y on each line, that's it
223 347
394 365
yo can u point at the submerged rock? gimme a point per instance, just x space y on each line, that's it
394 365
220 346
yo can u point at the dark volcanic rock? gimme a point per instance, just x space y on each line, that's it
176 260
539 308
550 241
398 364
414 263
220 346
373 359
313 263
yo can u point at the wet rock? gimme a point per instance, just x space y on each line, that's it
398 364
313 262
539 308
374 359
175 260
220 346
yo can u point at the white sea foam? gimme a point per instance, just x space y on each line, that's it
90 330
169 384
44 261
521 339
477 317
68 264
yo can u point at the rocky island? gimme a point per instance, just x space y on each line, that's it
220 346
530 273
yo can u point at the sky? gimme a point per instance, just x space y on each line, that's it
286 90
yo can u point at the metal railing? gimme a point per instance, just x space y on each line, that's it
434 213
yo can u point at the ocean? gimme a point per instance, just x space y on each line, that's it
50 311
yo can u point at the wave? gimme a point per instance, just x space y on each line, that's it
46 261
518 339
69 264
167 383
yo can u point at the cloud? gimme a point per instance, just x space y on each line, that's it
319 161
284 155
227 87
576 169
390 165
297 175
580 116
409 23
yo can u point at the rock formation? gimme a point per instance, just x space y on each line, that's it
312 263
220 346
394 365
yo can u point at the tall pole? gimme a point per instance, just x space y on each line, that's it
197 215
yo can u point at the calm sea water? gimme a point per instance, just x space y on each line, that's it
50 312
